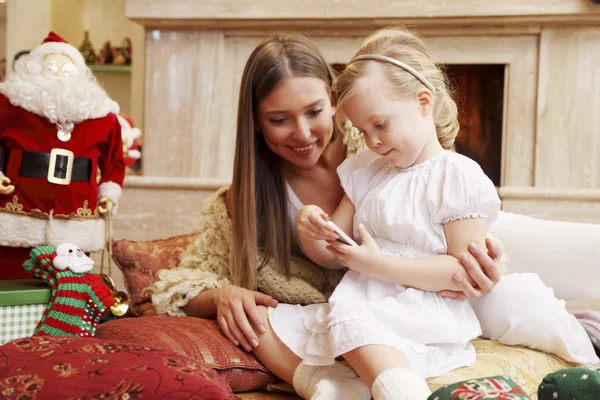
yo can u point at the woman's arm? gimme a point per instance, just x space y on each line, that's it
203 305
313 230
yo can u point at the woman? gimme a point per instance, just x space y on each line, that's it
287 152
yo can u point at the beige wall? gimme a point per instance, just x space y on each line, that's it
3 40
27 24
2 30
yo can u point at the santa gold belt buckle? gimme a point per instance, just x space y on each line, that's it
54 153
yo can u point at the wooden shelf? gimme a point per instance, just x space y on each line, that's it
110 68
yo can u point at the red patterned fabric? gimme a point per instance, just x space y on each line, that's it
12 263
197 338
140 263
86 368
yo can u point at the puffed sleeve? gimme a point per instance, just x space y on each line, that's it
459 189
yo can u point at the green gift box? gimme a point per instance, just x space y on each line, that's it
22 304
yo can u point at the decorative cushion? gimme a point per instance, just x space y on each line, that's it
140 263
495 387
199 339
520 307
572 383
524 366
548 248
84 368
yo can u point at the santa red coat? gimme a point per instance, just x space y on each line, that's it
39 212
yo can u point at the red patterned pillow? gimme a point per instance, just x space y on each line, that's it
197 338
140 263
84 368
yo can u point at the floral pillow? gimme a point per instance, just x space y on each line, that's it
140 263
53 367
197 338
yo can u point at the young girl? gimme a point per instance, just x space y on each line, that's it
417 206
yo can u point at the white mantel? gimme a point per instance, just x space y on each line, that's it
176 12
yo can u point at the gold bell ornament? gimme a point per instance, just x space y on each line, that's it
121 305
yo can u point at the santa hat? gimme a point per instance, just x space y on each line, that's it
54 44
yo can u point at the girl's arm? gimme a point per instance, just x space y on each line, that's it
312 227
428 273
437 273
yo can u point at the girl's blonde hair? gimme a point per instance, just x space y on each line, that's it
402 45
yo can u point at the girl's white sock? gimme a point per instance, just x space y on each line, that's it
329 382
400 384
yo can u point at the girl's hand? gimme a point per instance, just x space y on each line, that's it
482 269
238 316
311 223
363 259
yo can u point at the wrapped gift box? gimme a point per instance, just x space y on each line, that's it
22 304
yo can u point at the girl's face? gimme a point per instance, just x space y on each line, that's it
399 129
296 120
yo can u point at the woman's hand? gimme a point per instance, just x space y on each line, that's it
481 266
311 223
238 316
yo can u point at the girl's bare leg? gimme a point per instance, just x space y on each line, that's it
387 371
311 382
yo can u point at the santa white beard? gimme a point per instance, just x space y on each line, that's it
63 100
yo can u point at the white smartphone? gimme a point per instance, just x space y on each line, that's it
342 237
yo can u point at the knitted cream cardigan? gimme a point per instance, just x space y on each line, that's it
205 265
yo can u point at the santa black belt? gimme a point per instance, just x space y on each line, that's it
59 166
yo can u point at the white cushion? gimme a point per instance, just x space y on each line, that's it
522 311
566 255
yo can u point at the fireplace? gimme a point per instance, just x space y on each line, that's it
479 94
527 75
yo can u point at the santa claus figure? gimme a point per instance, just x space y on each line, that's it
131 145
57 127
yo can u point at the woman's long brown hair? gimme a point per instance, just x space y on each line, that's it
260 204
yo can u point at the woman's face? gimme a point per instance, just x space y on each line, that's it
296 120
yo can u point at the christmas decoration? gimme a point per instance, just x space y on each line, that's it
122 55
57 127
79 296
106 54
87 50
131 146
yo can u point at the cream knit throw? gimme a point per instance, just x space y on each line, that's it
205 265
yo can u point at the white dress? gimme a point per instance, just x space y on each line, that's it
404 211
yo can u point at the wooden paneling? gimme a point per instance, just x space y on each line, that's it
557 210
188 87
568 119
191 121
559 204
